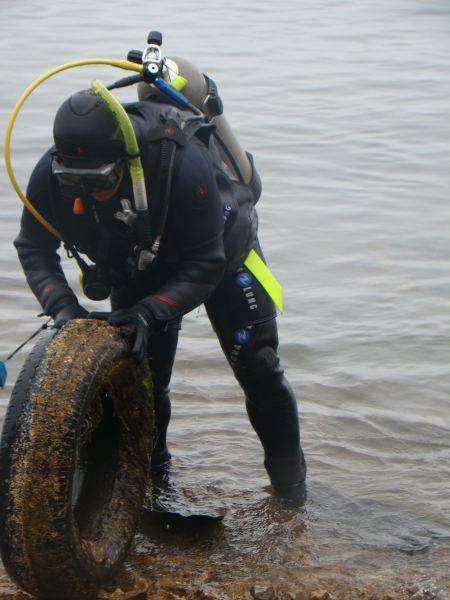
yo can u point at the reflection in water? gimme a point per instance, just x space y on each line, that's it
255 541
342 544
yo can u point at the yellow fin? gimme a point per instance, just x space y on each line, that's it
265 278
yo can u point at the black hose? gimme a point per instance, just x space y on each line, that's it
145 236
44 326
125 81
230 156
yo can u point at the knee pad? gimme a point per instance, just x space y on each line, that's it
264 374
268 362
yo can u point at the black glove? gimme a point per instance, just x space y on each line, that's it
69 312
138 323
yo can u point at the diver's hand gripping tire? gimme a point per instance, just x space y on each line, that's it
74 461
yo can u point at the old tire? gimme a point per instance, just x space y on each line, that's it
74 461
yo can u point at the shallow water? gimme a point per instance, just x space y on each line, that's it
344 106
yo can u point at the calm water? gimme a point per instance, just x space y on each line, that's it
344 105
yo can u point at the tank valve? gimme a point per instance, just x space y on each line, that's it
135 56
154 37
152 58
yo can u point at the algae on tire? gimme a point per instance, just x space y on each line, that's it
74 461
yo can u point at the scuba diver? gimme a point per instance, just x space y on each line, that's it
203 224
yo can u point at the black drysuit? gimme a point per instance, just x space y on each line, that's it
210 227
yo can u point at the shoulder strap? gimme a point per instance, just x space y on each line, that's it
171 136
173 129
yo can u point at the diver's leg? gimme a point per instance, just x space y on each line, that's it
161 354
270 401
249 339
272 407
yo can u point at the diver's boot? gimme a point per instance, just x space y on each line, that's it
161 458
275 421
286 473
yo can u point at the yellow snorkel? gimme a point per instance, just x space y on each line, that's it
147 252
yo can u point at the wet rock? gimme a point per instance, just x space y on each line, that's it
423 595
117 593
162 595
269 593
177 590
201 594
241 590
135 595
320 595
120 595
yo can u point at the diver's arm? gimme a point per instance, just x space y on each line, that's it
197 221
37 247
44 274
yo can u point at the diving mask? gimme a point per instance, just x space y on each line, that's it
105 177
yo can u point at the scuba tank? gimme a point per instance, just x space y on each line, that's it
201 92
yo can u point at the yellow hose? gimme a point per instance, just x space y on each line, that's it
120 64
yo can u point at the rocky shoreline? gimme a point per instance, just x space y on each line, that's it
148 589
